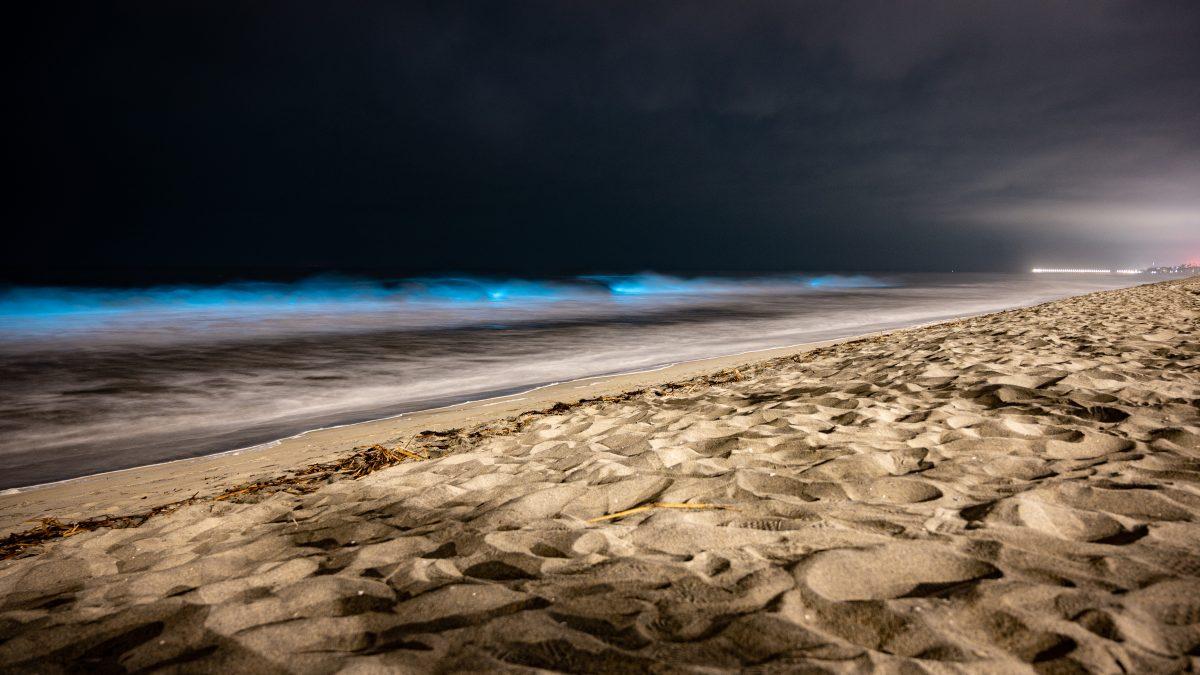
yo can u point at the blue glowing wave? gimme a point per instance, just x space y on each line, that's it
26 308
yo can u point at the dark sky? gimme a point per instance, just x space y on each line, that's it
558 137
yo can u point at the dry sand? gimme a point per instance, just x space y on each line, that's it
1015 492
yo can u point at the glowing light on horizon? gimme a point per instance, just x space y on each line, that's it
1060 270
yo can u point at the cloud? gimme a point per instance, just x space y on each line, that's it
616 135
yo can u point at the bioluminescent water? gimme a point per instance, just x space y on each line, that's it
94 380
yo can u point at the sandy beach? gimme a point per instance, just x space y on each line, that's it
1013 492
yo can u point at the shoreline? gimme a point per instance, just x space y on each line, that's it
485 402
120 491
137 487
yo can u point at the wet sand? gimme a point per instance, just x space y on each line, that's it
1014 492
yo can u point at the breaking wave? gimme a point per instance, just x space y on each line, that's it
35 311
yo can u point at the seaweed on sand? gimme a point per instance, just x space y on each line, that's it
359 463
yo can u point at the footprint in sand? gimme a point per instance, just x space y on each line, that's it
894 491
1177 440
891 571
1065 522
1020 468
1089 446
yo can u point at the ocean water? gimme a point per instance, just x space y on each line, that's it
93 380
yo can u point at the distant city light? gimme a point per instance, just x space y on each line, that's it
1186 268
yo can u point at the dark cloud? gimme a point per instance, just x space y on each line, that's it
555 137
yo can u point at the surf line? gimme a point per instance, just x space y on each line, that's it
944 319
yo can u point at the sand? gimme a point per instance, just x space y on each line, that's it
1015 492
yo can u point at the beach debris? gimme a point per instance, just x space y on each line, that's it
660 505
47 529
361 462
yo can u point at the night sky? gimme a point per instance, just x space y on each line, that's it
166 140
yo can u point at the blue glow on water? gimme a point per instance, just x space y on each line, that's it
32 309
471 289
651 284
42 301
856 281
